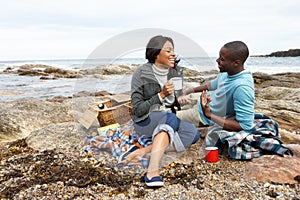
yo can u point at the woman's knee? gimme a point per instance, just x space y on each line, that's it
162 135
173 121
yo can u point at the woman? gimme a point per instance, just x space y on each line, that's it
151 92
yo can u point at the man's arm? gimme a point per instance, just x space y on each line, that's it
227 124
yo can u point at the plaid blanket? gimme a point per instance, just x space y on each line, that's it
117 140
263 138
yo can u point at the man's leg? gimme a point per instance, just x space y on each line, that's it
190 115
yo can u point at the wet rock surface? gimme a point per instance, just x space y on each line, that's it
44 71
47 72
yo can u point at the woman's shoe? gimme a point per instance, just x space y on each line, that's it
155 181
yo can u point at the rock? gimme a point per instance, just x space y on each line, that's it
102 71
290 80
58 136
290 52
288 137
21 117
278 96
274 168
59 99
46 72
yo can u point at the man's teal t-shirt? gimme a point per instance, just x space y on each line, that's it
232 96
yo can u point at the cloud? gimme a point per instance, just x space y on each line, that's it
41 29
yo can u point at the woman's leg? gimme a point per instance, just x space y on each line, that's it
159 145
157 149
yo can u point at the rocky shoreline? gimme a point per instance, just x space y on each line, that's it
288 53
42 155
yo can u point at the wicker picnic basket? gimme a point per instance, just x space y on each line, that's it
114 114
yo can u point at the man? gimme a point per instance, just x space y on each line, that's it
229 105
229 101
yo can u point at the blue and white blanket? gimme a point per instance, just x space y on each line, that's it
117 140
262 139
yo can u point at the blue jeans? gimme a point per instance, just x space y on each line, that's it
147 126
181 134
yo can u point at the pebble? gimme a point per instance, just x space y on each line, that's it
88 177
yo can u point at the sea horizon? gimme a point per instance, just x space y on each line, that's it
269 65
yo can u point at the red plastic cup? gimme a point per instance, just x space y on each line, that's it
212 154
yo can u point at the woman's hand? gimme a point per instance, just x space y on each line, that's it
184 99
205 100
168 89
133 157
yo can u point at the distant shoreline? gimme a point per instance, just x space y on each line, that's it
288 53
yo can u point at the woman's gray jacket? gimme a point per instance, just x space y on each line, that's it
144 91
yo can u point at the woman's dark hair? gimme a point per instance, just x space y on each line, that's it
154 46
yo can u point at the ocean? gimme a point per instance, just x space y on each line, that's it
13 87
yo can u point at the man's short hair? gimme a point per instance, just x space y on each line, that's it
238 50
155 45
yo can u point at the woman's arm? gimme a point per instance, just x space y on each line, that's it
200 88
144 94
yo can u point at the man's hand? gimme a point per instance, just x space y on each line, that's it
227 124
205 100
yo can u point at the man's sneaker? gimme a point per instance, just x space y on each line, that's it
126 153
156 181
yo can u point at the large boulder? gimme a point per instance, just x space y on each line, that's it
278 96
280 103
274 168
21 117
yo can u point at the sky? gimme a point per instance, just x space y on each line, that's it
73 29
